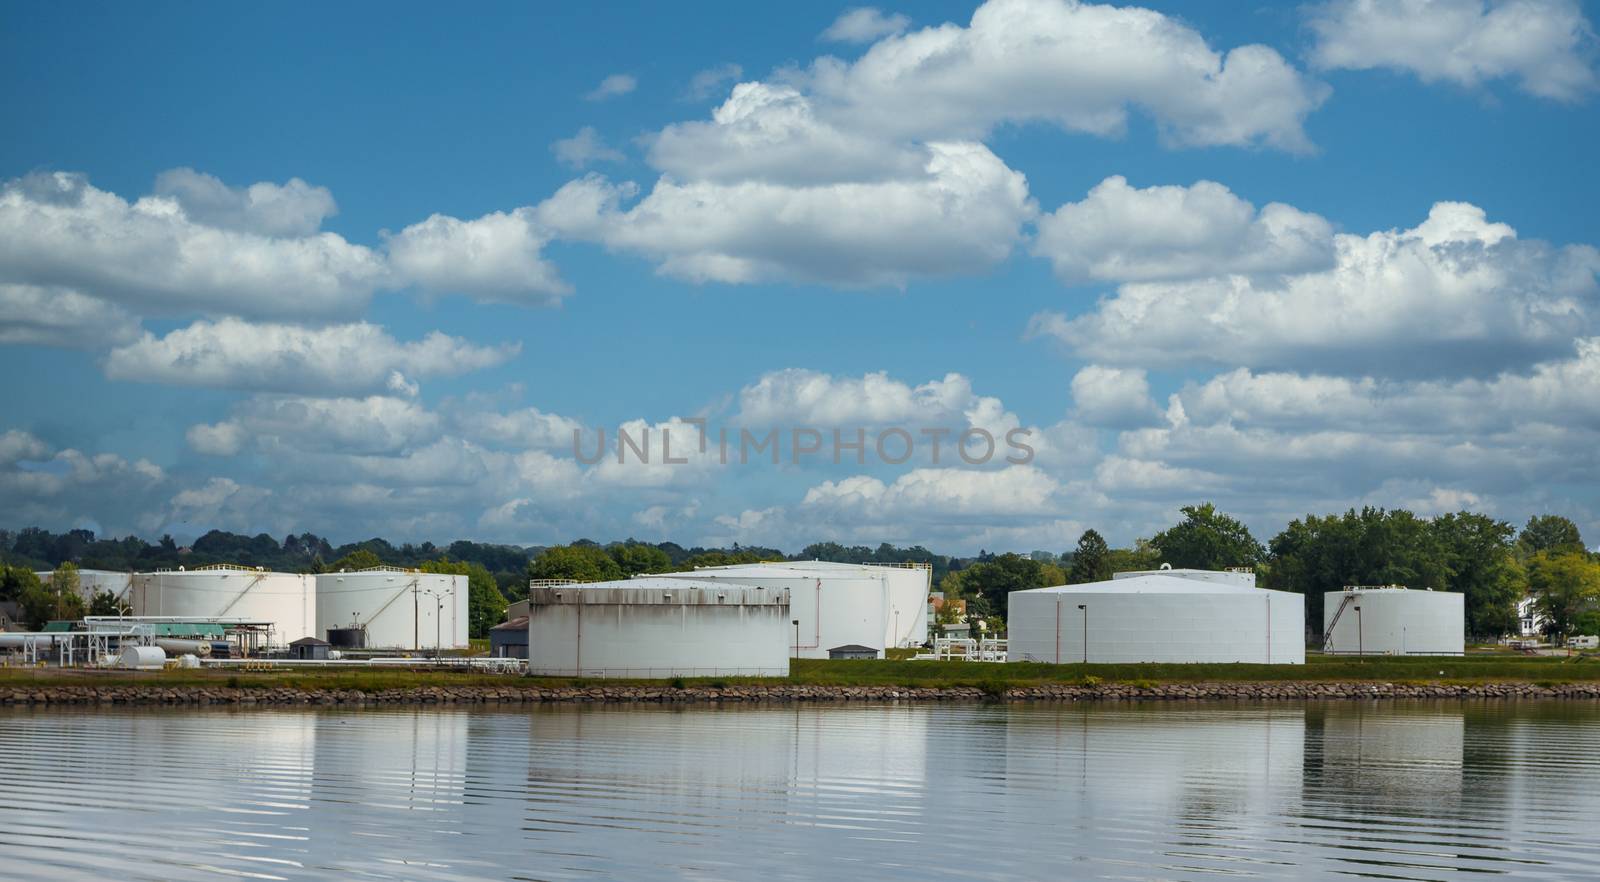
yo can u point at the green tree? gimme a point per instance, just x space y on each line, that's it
635 558
1206 539
585 563
104 603
1317 555
65 585
360 559
1091 562
486 606
986 584
723 559
1566 588
1480 562
1549 533
16 582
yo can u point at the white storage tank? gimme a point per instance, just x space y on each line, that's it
651 628
1393 621
838 604
398 608
91 582
287 600
1169 616
141 658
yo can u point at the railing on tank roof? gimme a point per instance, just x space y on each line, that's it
384 568
1374 587
226 567
552 583
1245 570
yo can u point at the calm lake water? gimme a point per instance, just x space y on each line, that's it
1391 791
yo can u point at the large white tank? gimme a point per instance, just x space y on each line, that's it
1393 621
656 628
838 604
1163 616
91 582
400 608
287 600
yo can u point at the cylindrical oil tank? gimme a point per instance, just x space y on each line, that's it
286 600
92 582
398 608
837 604
348 638
141 658
658 628
1156 617
1393 621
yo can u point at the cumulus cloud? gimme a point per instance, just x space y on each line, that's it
1547 45
1124 234
612 86
951 492
332 360
31 314
43 484
59 231
292 209
584 149
1457 293
374 424
1113 397
1078 65
864 24
963 213
495 258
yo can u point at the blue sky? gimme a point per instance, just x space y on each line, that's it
1188 247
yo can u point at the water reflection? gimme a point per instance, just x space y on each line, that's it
1383 790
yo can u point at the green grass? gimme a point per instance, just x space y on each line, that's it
1475 668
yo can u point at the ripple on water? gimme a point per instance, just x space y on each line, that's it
1425 791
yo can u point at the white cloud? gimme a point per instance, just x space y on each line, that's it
1547 45
812 398
708 81
1121 233
1116 397
17 445
951 492
584 149
612 86
56 230
528 427
374 424
961 215
45 485
30 314
1078 65
334 360
292 209
217 439
1455 294
864 24
495 258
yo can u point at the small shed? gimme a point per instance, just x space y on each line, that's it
852 650
509 639
309 649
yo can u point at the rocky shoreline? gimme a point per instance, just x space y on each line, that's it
155 694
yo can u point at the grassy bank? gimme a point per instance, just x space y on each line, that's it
1477 668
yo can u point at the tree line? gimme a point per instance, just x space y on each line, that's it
1489 561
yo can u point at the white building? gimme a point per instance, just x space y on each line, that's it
1181 616
287 600
838 604
658 628
1530 622
398 608
1393 621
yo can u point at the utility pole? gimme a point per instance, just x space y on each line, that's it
1085 608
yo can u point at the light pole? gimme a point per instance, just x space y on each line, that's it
796 638
1085 608
438 620
1361 635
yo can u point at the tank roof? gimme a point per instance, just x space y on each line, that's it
1158 583
658 590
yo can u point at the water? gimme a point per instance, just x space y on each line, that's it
1437 790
